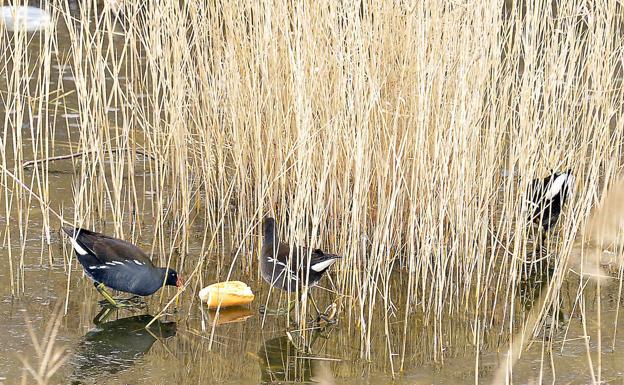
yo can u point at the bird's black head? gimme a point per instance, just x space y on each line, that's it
173 279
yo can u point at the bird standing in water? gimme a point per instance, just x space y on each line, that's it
547 197
119 265
291 271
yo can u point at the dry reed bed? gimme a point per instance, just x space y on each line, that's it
379 131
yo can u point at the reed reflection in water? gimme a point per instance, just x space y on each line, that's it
283 362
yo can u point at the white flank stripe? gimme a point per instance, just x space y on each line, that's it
556 186
285 271
77 247
275 261
288 274
318 267
137 262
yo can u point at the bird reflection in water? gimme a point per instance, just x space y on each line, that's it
114 346
282 362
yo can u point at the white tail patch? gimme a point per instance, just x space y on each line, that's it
570 185
77 247
557 185
320 266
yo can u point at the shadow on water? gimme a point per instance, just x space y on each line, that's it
114 346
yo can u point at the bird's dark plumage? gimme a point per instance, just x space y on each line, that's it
547 197
286 271
118 264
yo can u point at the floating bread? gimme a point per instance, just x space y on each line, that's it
225 294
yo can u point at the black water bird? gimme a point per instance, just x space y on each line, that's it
119 265
288 270
547 196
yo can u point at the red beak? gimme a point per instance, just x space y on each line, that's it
179 282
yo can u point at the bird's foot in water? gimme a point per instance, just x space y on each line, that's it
328 317
109 301
107 309
263 310
132 302
276 312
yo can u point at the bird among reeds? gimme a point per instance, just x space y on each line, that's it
119 265
291 270
547 196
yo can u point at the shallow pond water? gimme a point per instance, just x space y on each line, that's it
183 347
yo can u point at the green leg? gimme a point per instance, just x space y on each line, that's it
327 317
277 312
120 302
102 289
323 317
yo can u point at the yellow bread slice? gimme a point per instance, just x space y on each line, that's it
224 294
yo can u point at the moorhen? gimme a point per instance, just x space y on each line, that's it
118 264
301 269
547 196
